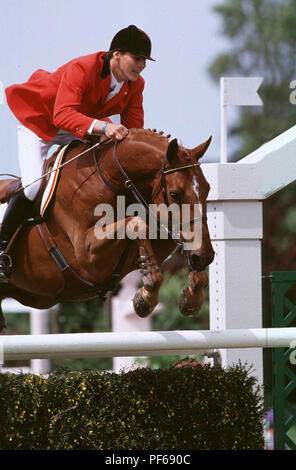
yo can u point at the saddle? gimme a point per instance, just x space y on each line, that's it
8 188
72 280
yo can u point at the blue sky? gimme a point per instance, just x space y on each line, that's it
179 97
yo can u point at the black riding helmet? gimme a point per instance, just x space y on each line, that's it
134 40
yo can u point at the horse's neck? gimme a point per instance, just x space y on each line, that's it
140 162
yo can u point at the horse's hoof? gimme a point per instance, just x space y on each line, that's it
185 309
141 308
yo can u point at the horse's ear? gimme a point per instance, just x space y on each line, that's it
172 151
201 149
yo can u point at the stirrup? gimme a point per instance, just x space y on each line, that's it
3 254
5 270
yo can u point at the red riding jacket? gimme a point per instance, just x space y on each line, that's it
73 96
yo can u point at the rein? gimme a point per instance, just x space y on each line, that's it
128 183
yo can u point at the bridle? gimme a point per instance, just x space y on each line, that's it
128 183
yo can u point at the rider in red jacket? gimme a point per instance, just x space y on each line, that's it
73 102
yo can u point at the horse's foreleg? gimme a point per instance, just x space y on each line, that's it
3 327
146 298
192 298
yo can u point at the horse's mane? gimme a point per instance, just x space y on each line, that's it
155 138
147 134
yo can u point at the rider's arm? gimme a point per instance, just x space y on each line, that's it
69 102
69 99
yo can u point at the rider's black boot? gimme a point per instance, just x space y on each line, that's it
19 209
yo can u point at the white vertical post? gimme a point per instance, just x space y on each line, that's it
39 326
235 274
236 91
124 317
223 123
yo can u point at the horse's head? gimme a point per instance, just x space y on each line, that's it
184 191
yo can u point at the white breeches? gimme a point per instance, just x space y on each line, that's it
32 151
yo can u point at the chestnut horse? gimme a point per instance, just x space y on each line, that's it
62 258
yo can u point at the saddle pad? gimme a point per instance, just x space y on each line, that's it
52 182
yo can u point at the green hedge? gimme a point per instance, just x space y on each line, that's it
198 407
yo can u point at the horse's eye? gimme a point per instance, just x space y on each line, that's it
175 196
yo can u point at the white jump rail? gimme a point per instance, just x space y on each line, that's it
150 343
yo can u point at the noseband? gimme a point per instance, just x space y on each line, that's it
128 183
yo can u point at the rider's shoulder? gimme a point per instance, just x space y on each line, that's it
88 61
